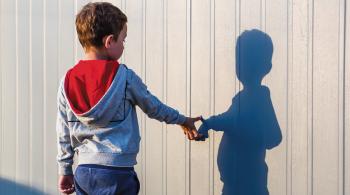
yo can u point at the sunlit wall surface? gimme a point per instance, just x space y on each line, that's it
188 53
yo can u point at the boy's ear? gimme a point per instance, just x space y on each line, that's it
108 41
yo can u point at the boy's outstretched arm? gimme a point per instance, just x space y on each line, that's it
138 94
65 150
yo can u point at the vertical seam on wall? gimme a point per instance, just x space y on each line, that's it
310 96
59 53
17 164
74 32
75 45
264 16
1 107
344 97
261 15
212 86
30 94
122 7
45 97
59 40
341 96
289 94
239 51
124 10
143 72
312 80
236 54
164 91
58 50
188 93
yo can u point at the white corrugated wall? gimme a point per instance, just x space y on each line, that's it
185 51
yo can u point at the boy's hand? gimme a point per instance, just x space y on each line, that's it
66 184
190 129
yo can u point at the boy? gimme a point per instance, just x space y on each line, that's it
96 109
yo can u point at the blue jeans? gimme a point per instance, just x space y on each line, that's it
102 180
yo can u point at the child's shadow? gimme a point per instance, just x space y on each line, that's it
250 125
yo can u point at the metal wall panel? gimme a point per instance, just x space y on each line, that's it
275 24
51 77
9 104
298 73
326 91
225 79
201 65
154 78
177 85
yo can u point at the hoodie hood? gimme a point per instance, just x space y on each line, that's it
93 88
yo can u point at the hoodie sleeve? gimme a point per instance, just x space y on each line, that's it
138 94
65 150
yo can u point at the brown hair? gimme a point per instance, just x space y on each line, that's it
96 20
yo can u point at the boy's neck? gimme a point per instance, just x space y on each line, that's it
94 54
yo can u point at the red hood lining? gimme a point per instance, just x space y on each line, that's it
87 82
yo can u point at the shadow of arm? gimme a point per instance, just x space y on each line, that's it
219 122
274 136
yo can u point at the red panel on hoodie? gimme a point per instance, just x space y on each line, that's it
87 82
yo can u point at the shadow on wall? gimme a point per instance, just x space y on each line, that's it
249 125
9 187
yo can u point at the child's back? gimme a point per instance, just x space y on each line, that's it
96 109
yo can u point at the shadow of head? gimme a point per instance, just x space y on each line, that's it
254 50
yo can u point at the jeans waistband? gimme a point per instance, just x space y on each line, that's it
107 167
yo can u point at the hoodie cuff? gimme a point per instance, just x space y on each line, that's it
65 170
181 120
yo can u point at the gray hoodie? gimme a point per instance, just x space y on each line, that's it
108 133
